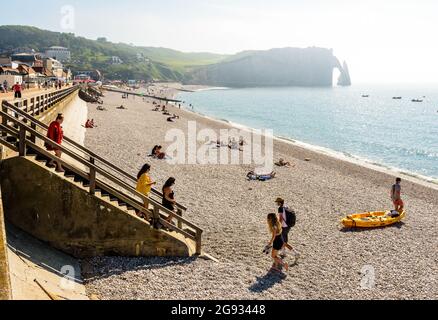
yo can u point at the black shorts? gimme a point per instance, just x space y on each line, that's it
17 94
285 234
278 243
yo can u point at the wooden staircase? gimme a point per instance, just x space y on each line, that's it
22 133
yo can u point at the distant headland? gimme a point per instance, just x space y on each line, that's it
118 61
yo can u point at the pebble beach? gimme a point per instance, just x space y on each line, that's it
396 262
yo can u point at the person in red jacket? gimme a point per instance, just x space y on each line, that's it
17 90
56 134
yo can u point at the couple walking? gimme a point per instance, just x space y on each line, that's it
280 225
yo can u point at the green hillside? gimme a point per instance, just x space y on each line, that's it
163 64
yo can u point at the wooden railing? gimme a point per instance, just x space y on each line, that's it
24 129
98 159
43 101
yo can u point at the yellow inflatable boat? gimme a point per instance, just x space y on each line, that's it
372 219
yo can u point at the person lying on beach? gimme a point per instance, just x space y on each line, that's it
173 118
234 145
121 107
282 163
261 177
157 154
166 113
88 124
156 109
101 108
218 143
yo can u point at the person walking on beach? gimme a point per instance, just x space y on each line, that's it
276 242
56 134
6 85
144 184
396 196
287 220
17 90
169 197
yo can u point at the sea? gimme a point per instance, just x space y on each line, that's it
361 122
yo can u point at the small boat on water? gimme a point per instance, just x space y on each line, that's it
373 219
417 100
397 98
365 96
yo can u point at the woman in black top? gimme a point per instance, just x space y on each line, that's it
169 197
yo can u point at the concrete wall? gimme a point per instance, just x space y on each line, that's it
46 117
11 79
5 281
50 115
58 211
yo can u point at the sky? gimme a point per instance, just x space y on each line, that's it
383 41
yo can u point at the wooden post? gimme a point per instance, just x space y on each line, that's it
179 213
17 105
4 120
198 242
156 215
92 178
32 136
32 101
22 141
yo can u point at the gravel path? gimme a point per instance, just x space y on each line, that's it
333 264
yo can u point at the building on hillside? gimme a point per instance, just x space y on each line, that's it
21 49
54 66
67 75
5 59
58 53
142 58
116 60
31 59
82 78
10 75
93 74
30 76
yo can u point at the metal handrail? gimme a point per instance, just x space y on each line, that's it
88 152
24 141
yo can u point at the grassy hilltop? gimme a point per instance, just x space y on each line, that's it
163 64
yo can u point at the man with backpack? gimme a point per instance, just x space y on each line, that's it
287 219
